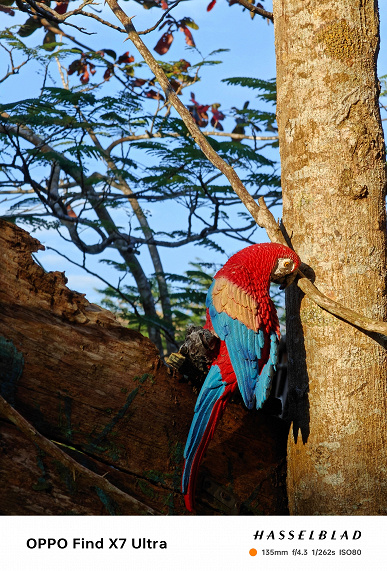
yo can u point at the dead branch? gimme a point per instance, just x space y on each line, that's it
256 9
93 479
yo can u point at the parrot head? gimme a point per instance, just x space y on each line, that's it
284 270
254 267
283 267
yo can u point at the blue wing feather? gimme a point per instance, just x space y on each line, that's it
245 349
262 388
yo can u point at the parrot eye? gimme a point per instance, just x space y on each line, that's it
283 267
287 264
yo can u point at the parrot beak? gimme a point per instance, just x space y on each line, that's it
289 279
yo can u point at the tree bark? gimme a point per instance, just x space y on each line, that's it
93 422
333 182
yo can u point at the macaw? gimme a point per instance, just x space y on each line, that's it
241 313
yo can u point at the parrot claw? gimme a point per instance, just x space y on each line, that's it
175 360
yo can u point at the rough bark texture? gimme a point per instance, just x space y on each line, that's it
333 181
100 391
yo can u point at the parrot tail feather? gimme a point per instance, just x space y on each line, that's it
209 409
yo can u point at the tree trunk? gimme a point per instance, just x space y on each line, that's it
333 182
93 422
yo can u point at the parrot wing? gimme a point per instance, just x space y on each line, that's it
253 351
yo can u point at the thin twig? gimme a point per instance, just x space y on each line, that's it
64 82
14 69
44 11
41 11
49 26
161 19
101 21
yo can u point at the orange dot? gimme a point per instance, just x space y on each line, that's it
253 552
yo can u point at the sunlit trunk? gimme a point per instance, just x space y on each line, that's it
333 181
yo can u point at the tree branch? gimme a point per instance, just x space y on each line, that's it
14 69
172 97
256 9
153 251
93 479
103 214
39 11
339 310
161 19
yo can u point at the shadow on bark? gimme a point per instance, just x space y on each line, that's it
298 379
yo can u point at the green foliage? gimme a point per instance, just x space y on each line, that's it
267 89
383 85
187 293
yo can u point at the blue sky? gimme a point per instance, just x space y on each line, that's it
251 45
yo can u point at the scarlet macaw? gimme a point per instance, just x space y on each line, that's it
241 313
